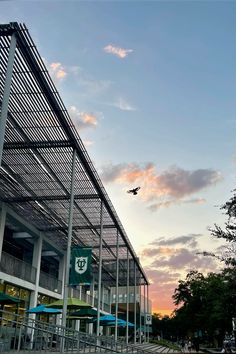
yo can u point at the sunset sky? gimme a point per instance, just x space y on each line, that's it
150 86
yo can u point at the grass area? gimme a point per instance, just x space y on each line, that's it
165 343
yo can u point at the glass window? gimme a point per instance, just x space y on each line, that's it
18 309
25 294
44 299
12 290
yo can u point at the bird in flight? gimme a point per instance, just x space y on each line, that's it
134 191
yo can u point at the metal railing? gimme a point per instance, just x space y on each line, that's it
31 335
18 268
49 282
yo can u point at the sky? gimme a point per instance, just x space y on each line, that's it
150 86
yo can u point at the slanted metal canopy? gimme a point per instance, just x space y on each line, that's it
35 175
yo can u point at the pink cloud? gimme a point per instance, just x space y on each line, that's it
168 260
83 120
57 71
167 204
151 252
117 51
174 184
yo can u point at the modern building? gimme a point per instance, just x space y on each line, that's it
51 197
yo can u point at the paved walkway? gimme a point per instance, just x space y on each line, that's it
148 347
155 348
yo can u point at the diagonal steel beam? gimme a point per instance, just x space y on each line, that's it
78 227
37 144
47 198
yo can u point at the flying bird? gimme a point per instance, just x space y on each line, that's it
134 191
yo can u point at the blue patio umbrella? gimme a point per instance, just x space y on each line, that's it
123 323
107 318
110 320
120 323
40 309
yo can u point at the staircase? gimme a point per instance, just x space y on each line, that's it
29 335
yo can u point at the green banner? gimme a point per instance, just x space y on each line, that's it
80 273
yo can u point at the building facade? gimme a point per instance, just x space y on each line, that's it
51 197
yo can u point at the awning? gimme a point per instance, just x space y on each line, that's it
40 309
72 303
7 299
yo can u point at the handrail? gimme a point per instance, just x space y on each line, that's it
50 282
34 335
18 268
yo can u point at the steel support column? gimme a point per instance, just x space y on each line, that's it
145 313
6 93
148 310
135 303
140 306
100 270
127 299
117 283
36 263
69 236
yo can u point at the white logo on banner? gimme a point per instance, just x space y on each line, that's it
81 264
148 319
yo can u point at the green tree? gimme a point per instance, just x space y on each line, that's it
228 233
206 304
156 324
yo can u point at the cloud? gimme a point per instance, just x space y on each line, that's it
88 86
83 120
185 260
167 204
87 142
171 254
117 51
161 275
168 260
57 71
185 239
153 252
123 105
174 184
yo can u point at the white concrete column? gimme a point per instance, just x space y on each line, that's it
2 225
61 272
102 296
90 325
109 299
92 291
36 263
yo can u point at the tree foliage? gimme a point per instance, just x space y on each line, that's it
206 303
228 233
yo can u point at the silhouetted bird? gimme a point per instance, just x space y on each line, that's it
134 191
